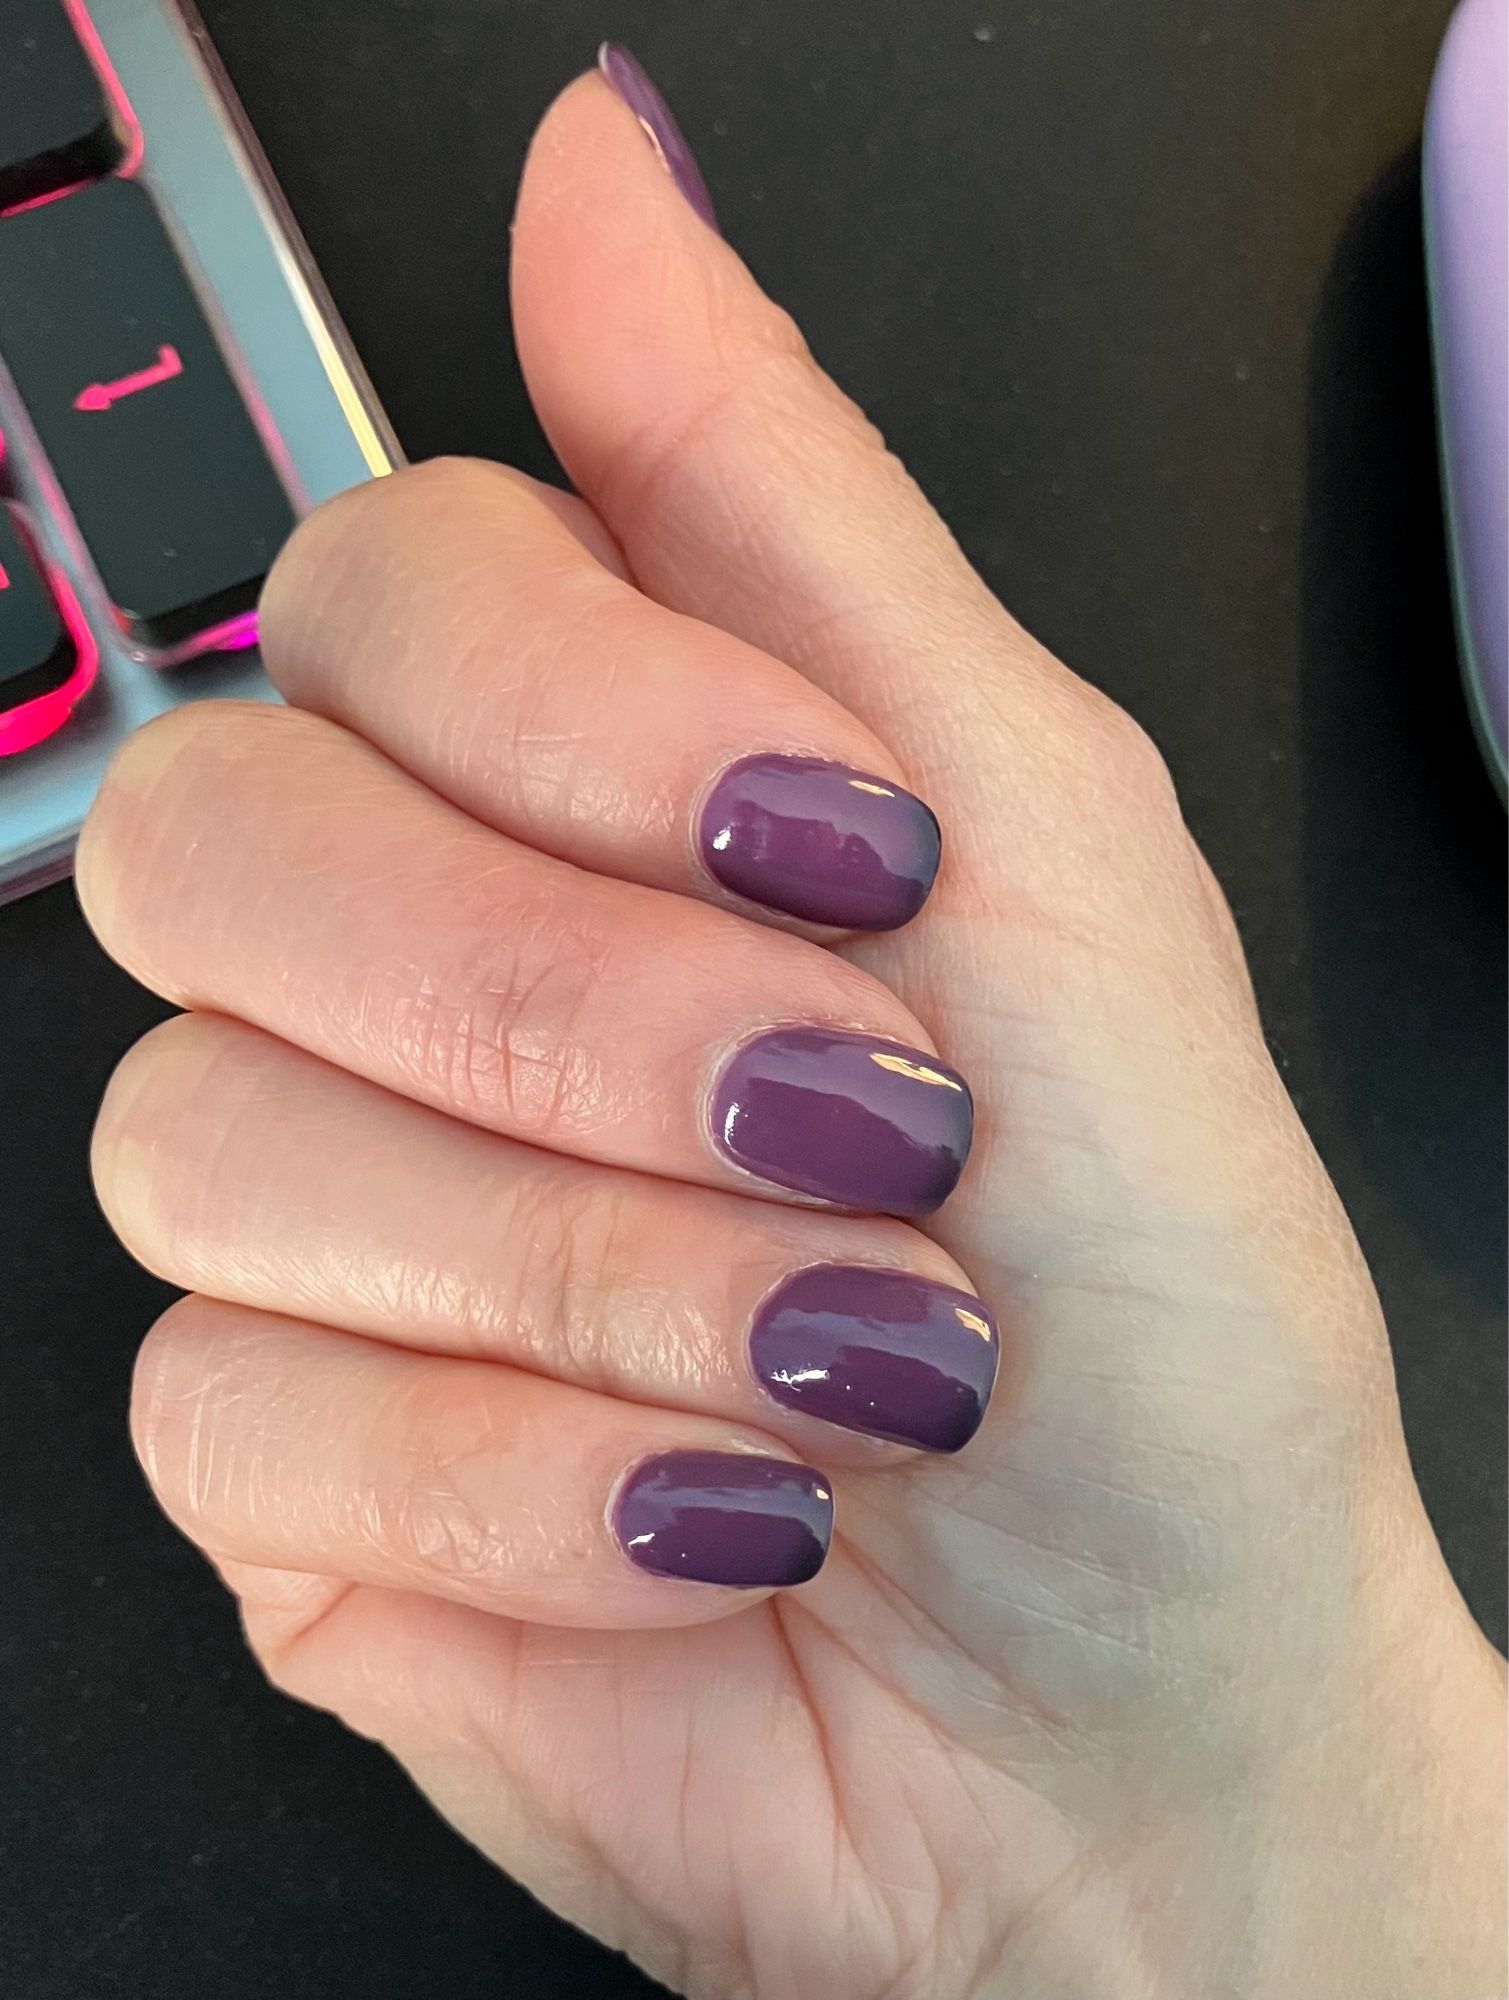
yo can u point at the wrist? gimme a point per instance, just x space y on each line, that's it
1390 1842
1340 1837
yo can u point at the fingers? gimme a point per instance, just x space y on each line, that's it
293 1447
263 863
233 1165
456 617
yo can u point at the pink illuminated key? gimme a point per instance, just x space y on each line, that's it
170 483
48 655
59 124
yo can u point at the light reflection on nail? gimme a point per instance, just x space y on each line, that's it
918 1072
974 1322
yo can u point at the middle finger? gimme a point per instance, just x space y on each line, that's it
264 863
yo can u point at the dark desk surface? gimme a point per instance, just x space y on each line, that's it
1137 290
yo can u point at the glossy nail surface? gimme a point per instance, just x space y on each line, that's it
627 78
878 1351
820 841
726 1517
848 1118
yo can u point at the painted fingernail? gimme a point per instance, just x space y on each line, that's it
820 841
627 78
851 1119
878 1351
724 1517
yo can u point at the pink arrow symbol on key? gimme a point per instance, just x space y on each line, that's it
100 395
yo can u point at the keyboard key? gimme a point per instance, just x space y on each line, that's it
169 482
37 656
56 123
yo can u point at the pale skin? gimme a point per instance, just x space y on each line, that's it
1160 1687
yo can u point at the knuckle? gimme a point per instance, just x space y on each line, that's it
435 557
570 1268
511 1043
450 478
310 556
399 509
152 759
763 390
517 715
767 330
409 507
147 1405
353 532
768 368
149 754
1117 752
432 1506
167 1063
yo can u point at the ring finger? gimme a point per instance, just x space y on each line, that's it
234 1165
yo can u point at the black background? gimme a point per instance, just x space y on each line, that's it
1137 290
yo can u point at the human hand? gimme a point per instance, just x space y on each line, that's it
1159 1686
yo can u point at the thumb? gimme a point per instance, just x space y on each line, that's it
745 488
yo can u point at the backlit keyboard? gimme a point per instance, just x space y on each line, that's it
175 390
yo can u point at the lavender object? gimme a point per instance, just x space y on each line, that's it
1467 238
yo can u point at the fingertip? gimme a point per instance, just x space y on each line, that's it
109 843
157 1382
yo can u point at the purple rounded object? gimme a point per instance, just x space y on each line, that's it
1467 240
849 1118
726 1517
820 841
878 1351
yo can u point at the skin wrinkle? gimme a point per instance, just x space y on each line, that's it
510 1040
649 457
583 1808
563 1300
509 763
990 1669
435 1520
793 1610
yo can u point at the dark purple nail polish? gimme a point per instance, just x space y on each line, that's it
723 1517
854 1120
626 77
820 841
878 1351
